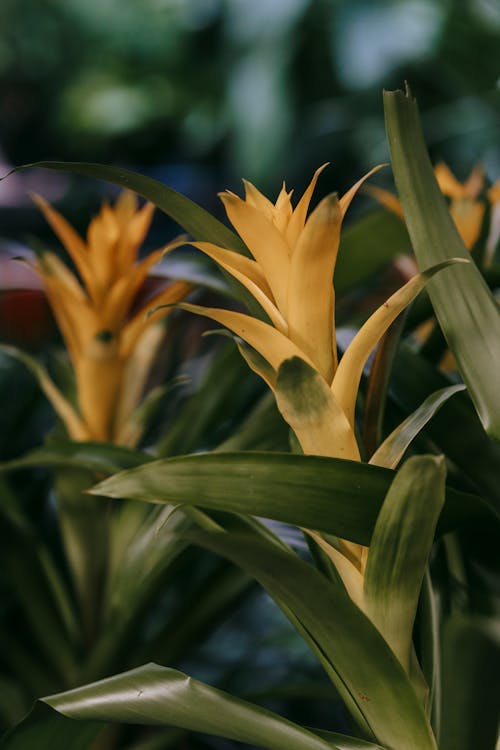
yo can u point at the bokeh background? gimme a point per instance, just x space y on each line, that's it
203 92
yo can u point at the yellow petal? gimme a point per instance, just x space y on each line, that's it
132 236
346 381
102 237
298 219
248 273
125 207
69 304
71 240
75 426
351 577
310 408
266 340
448 183
346 199
386 199
494 193
135 374
283 210
254 197
311 294
164 300
264 241
468 217
121 295
98 373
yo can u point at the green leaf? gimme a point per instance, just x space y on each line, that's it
225 392
328 494
366 245
358 660
471 669
193 218
455 429
390 453
399 551
467 311
160 696
91 456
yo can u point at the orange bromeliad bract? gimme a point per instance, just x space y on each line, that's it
110 348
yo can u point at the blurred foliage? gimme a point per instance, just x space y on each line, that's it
257 89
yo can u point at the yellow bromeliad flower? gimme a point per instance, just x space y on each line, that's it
467 212
111 347
290 274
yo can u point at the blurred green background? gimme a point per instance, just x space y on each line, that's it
203 92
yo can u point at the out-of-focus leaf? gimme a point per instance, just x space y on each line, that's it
193 218
390 453
358 660
399 551
366 244
327 494
99 457
471 684
224 393
157 695
467 311
263 429
64 409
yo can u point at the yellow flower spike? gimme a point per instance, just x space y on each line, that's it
311 296
93 313
273 255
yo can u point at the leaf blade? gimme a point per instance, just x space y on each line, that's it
466 310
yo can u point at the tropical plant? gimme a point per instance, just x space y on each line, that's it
393 593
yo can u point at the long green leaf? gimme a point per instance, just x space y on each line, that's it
157 695
331 495
193 218
399 551
467 311
391 451
362 665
